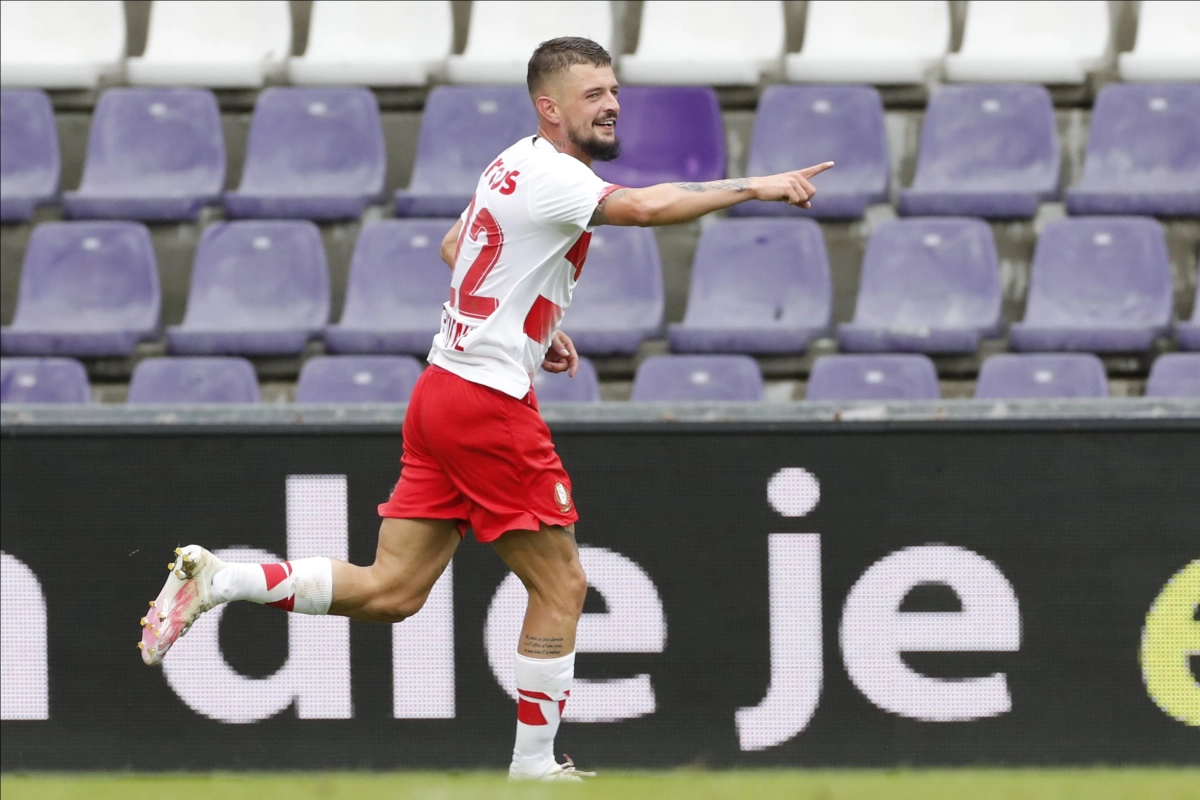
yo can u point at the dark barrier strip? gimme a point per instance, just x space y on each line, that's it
772 593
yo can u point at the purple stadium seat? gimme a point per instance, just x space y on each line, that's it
1175 375
87 289
798 126
43 380
758 286
258 288
397 285
193 381
927 286
1011 376
558 387
618 302
357 379
668 133
312 154
1143 154
893 376
986 151
1100 285
29 162
463 129
686 379
153 154
1187 334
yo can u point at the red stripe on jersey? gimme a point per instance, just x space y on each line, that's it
530 713
535 695
542 319
578 252
276 573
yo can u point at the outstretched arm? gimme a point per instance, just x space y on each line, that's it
672 203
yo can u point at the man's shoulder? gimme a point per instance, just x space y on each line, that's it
536 154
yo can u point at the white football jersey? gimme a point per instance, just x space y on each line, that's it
524 238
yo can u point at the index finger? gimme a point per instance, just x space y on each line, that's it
808 172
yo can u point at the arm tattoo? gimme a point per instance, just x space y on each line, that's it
734 184
599 217
541 646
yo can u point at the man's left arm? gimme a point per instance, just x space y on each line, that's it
450 244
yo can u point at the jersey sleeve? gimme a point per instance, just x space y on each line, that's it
566 195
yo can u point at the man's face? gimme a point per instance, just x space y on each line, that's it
587 100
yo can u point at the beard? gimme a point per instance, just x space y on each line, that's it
596 148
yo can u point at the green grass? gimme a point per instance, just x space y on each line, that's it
1095 784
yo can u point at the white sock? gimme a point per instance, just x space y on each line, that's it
304 585
544 685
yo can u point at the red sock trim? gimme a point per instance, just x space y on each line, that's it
530 713
534 695
287 604
276 573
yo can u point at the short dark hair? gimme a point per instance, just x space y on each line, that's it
557 55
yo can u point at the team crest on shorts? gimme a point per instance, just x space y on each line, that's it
562 496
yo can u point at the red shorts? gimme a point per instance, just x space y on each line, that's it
477 455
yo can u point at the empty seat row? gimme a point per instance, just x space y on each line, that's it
993 152
218 43
760 286
390 379
262 288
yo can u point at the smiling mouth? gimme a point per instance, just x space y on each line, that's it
608 124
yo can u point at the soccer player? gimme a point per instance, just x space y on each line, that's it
476 452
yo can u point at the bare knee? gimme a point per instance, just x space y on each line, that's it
565 594
394 606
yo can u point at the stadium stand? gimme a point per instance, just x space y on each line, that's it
462 129
809 125
686 379
1101 285
216 43
758 286
1165 49
668 133
720 43
1026 376
620 302
43 380
892 376
928 285
313 154
87 289
991 151
357 379
61 44
258 288
153 155
1143 154
395 290
193 380
1175 375
29 159
551 387
1047 41
1187 334
986 151
374 43
873 41
503 33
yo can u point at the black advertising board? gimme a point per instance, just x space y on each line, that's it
874 595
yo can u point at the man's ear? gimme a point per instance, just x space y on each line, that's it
548 108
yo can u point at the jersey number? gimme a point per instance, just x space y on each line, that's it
468 302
